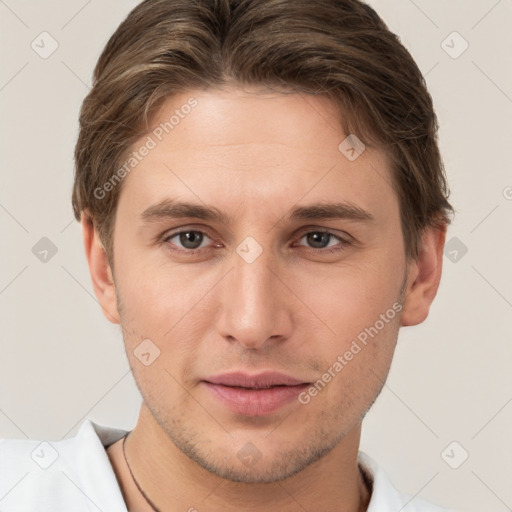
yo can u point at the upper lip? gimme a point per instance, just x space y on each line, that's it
260 380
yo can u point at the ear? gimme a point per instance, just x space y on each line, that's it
99 268
424 275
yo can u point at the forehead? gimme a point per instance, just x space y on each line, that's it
236 146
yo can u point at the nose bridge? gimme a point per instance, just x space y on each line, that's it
252 305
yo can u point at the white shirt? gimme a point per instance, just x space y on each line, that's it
75 475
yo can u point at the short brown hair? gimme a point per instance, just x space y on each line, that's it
337 48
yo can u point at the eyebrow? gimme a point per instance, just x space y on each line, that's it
173 209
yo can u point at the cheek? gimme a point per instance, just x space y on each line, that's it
166 305
356 335
353 369
349 299
153 295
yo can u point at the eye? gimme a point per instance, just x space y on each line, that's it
321 241
190 240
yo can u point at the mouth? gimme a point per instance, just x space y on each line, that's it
254 395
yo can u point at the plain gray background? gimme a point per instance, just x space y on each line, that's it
451 379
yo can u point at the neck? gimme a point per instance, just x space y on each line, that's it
168 476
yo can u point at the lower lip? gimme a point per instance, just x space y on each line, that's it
255 402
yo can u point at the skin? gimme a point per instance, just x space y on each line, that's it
255 156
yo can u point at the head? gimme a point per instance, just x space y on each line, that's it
260 188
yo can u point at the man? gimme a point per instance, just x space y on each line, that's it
263 206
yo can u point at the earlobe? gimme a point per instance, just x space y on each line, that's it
99 268
424 276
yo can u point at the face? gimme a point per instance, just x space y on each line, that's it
287 258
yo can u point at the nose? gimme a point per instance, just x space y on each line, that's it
255 304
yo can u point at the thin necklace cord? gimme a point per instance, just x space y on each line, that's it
135 481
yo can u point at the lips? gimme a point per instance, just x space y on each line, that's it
254 395
259 381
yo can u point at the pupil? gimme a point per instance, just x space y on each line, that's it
319 240
191 239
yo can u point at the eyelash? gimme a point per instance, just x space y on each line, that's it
342 242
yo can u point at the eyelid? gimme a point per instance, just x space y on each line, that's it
343 240
332 235
343 236
172 233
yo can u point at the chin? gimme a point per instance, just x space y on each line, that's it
252 465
